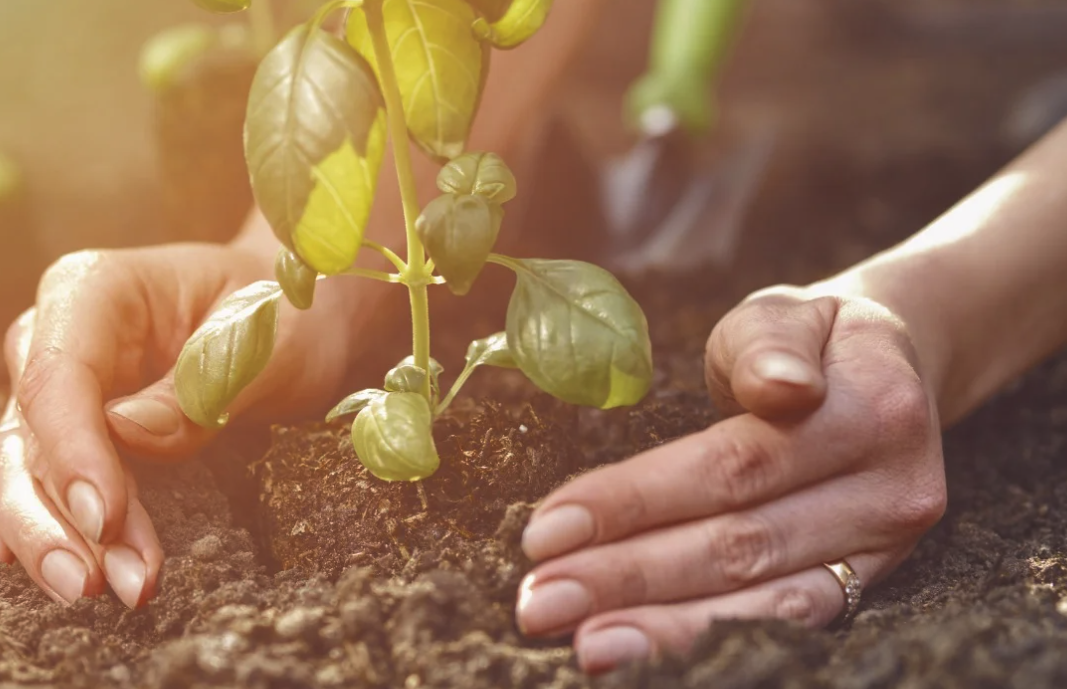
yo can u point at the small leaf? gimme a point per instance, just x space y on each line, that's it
227 352
167 53
440 68
314 139
224 6
353 404
296 279
491 351
436 369
577 334
459 233
405 378
522 20
481 174
393 437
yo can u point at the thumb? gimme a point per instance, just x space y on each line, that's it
151 423
765 356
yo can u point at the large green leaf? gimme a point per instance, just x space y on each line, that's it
577 334
296 279
393 437
459 233
440 68
227 352
314 139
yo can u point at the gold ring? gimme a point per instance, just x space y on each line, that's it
851 587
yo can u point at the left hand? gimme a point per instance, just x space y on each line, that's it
834 451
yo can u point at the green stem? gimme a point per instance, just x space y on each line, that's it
379 275
261 18
415 274
456 387
389 254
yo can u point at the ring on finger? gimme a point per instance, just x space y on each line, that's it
851 588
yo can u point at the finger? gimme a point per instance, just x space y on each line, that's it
132 568
69 367
766 356
151 423
710 557
53 554
734 464
812 597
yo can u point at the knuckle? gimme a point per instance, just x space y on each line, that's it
628 514
903 412
739 474
919 508
796 604
743 550
36 378
76 264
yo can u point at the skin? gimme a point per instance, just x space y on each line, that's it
838 392
90 363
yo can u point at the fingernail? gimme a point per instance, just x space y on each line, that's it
126 573
784 368
607 648
551 607
152 415
557 531
87 508
65 573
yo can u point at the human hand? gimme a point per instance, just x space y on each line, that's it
90 367
833 451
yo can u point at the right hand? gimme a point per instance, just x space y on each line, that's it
90 368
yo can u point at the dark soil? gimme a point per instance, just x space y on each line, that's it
288 566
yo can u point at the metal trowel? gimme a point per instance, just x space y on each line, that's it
677 199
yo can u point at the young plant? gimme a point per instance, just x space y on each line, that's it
319 114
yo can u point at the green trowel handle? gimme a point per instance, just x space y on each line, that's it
690 41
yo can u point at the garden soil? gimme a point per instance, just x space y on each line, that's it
289 566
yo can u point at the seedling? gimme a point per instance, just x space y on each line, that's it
319 114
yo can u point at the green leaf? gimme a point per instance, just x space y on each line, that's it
577 334
482 174
393 437
522 20
436 369
491 351
227 352
459 233
296 279
224 6
168 52
405 378
440 68
353 404
314 139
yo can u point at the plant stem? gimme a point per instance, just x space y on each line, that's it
387 252
375 275
261 17
415 274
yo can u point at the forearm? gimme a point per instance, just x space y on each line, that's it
983 290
